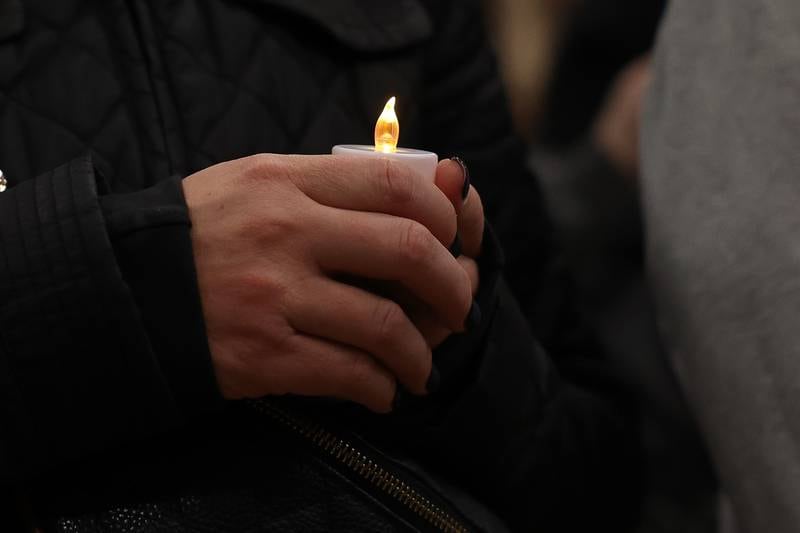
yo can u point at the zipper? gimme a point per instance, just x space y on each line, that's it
347 455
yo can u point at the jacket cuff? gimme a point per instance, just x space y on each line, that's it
150 232
76 370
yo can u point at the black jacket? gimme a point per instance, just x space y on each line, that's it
107 395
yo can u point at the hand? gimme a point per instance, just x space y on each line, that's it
452 178
272 234
616 130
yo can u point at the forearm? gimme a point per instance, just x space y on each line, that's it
721 196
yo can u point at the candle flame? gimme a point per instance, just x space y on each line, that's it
387 129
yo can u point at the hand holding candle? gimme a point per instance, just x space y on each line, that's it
273 238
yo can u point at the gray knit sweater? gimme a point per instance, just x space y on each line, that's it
721 160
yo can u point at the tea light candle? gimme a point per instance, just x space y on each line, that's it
387 134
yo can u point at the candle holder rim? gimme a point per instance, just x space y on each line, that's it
371 149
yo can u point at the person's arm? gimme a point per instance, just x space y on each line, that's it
79 370
541 434
721 196
105 339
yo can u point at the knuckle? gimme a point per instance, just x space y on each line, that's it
423 369
398 185
260 287
450 211
466 289
383 403
358 372
277 227
362 381
261 167
452 223
282 337
391 320
249 228
256 166
270 227
375 392
416 242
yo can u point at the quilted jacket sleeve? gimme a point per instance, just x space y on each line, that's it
78 370
538 428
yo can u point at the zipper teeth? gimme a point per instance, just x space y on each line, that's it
347 455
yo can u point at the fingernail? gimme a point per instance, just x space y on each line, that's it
455 248
434 380
473 318
465 171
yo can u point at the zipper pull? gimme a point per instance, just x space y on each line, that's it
3 182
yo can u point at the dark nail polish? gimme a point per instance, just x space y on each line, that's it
434 380
474 317
455 248
465 171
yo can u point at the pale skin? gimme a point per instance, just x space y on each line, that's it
275 236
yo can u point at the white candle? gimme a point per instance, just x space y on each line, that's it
421 161
387 133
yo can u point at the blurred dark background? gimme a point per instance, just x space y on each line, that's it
576 73
559 57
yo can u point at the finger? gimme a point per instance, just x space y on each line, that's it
471 268
360 319
422 316
470 224
384 247
451 177
379 186
435 334
317 367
